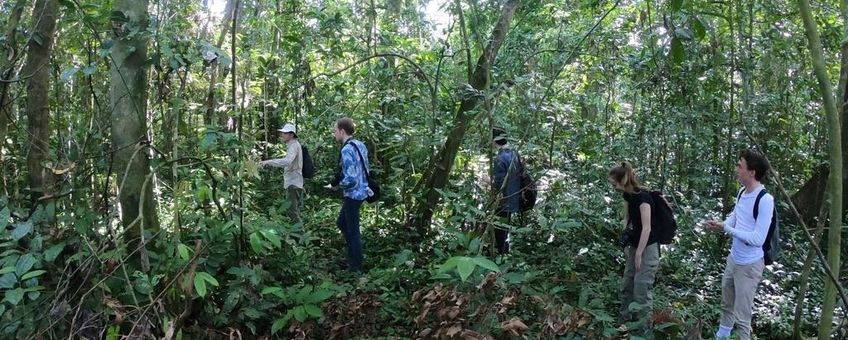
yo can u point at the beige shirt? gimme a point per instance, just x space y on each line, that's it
292 164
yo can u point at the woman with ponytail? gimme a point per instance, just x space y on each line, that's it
641 246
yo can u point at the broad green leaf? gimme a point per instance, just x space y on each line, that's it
21 230
449 264
32 274
242 272
303 293
299 313
202 192
34 289
4 217
251 313
183 250
200 286
465 267
280 323
9 252
313 310
24 264
699 28
319 295
9 269
676 50
272 237
402 256
486 263
272 290
256 243
14 296
53 252
208 278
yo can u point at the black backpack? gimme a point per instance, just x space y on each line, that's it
662 218
771 246
527 200
308 166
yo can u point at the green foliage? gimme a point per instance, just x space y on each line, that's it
665 85
465 266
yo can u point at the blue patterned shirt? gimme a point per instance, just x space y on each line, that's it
354 182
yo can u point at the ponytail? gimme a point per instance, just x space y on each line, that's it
624 175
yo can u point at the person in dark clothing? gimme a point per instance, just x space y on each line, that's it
641 247
506 185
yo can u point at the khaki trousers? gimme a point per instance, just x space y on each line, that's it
738 288
637 285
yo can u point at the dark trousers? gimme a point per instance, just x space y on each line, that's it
295 196
348 224
502 235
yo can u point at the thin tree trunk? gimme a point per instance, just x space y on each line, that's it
805 276
213 66
37 68
129 123
242 235
462 32
730 155
436 176
835 177
7 66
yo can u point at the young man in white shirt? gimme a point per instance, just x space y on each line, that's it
745 263
292 165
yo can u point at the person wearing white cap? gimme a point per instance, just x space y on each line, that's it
292 165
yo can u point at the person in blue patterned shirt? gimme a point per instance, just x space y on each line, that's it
353 181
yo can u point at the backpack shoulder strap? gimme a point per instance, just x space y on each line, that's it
757 203
361 161
522 168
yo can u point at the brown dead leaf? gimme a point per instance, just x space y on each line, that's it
453 313
472 335
488 282
422 315
514 326
453 330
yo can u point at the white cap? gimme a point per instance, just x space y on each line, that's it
289 127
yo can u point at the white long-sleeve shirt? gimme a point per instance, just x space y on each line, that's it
748 234
292 164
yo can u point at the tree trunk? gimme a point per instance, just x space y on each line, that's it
835 176
7 66
213 66
805 278
437 175
37 68
129 123
810 197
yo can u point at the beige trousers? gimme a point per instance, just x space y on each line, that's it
738 288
